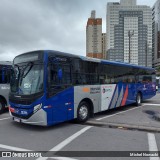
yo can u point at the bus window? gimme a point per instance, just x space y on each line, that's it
147 79
4 75
59 76
145 76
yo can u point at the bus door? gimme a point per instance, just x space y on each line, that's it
148 85
132 90
60 92
129 89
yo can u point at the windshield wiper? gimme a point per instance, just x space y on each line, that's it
28 69
22 75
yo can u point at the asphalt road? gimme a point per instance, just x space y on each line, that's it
70 136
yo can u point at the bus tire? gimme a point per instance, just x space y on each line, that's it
138 99
83 112
2 106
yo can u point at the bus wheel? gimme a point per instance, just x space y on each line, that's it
138 99
2 106
83 112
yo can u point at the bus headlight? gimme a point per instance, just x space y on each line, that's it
37 107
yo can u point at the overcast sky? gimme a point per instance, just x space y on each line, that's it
27 25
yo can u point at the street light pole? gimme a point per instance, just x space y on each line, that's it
130 34
146 52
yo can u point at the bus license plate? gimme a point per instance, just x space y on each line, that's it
17 119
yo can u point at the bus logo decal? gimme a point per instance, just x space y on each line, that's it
107 90
86 90
95 90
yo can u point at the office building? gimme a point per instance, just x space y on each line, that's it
104 45
94 36
129 32
156 34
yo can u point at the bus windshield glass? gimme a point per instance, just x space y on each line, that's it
27 79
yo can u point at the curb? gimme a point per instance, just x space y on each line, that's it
123 126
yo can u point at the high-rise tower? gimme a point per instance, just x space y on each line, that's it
156 34
94 36
129 32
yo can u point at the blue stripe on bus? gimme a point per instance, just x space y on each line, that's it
112 97
119 85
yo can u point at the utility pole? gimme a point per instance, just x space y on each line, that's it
146 52
130 34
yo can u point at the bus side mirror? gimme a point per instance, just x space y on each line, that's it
60 74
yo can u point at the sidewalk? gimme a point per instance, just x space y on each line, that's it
146 117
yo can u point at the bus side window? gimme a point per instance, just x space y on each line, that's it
76 72
53 77
59 77
76 78
147 79
66 74
4 75
59 74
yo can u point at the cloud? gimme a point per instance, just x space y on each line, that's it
46 24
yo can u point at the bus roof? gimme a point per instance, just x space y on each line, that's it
127 64
54 52
101 60
5 63
114 62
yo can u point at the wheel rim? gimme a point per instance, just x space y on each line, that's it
83 112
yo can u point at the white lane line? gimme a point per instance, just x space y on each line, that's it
143 104
13 148
98 119
5 118
150 104
152 145
66 141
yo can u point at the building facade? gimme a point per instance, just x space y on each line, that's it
129 32
94 36
156 34
104 45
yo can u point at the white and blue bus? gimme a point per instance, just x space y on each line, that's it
49 87
5 68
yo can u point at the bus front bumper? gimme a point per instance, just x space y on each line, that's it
39 118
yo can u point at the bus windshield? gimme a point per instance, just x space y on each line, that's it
27 79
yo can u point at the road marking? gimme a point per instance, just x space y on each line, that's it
5 118
150 104
143 104
13 148
152 145
65 142
98 119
